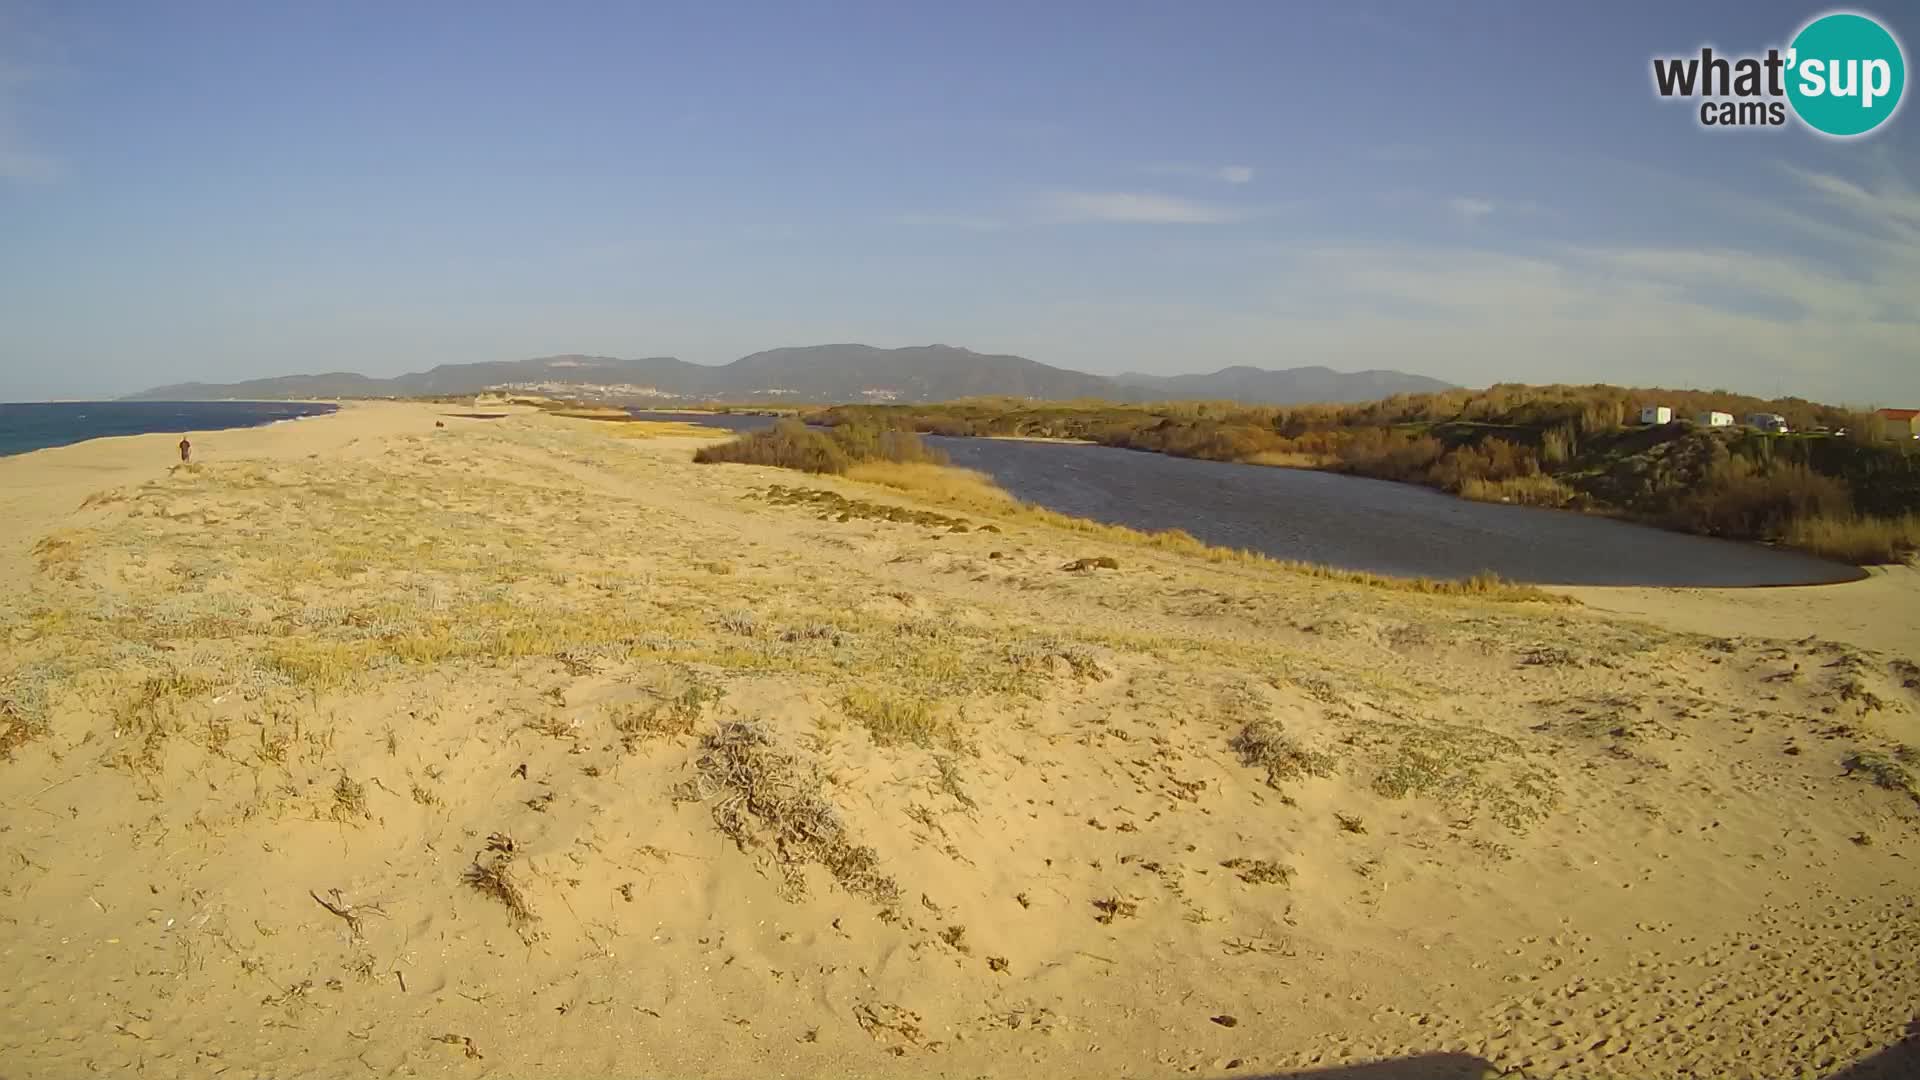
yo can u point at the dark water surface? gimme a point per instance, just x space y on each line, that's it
25 427
1357 523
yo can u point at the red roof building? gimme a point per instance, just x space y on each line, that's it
1898 423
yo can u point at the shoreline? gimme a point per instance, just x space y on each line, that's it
1027 438
1872 611
43 486
325 408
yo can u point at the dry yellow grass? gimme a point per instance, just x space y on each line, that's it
1536 490
975 491
584 412
1286 459
657 429
893 720
1857 539
949 485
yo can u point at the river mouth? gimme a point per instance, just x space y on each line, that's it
1357 523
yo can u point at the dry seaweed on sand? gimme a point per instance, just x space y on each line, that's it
882 1019
1095 562
349 913
464 1042
1264 744
1260 871
761 795
495 877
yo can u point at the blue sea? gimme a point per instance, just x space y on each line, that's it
25 427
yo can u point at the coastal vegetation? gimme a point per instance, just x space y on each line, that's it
894 458
1844 496
789 444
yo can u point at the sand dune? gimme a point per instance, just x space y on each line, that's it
519 748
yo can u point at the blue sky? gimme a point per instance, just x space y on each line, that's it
229 190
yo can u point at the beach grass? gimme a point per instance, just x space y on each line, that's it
1857 538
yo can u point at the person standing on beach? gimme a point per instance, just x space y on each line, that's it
186 449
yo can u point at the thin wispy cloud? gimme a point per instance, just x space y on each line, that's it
1781 285
1467 208
1131 208
1226 174
1844 329
1461 208
1891 206
1080 208
969 222
1841 214
1835 322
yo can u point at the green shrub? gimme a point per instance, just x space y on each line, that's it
790 444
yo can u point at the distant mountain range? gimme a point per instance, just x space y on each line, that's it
818 374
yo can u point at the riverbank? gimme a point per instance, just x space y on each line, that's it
1568 448
517 746
1876 612
1316 518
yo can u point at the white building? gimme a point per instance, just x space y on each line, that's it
1714 419
1656 414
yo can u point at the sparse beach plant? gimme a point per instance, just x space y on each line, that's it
1266 745
893 720
763 796
1892 771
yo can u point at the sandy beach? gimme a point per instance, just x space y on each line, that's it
527 747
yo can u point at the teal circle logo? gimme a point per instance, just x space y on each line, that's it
1845 74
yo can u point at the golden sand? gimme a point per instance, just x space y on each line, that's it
517 748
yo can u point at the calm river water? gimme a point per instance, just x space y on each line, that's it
1358 523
